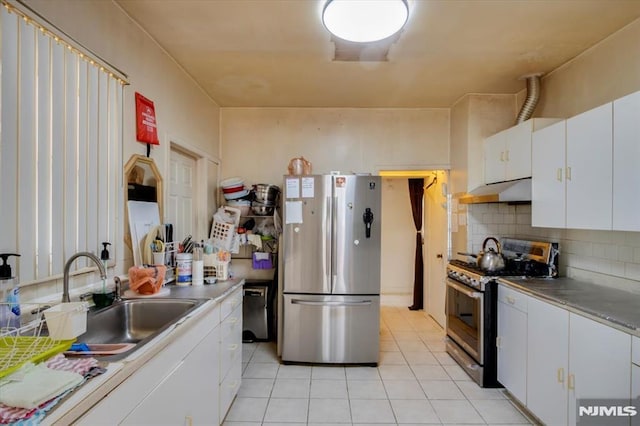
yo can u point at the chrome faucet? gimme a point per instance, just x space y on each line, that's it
67 266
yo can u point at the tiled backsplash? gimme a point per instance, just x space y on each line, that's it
608 258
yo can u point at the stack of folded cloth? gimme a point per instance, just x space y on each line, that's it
34 389
146 280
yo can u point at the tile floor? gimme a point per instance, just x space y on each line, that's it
416 382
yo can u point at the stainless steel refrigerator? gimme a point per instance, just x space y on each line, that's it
331 263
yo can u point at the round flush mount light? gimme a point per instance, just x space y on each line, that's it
365 20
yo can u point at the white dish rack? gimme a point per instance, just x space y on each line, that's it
40 333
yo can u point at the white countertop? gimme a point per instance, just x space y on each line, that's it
610 306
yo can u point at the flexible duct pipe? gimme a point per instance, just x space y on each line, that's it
533 95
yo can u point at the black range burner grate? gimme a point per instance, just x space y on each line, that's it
513 269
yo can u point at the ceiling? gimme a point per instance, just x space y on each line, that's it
276 53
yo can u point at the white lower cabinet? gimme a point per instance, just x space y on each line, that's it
548 362
184 396
193 380
571 357
512 341
230 354
599 362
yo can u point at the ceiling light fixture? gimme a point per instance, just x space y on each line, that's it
365 21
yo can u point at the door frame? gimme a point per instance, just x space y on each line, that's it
426 172
201 181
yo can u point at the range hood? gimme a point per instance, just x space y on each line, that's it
501 192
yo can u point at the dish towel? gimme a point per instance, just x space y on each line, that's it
39 385
255 240
88 367
262 261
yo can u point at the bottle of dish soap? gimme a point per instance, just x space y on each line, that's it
10 302
104 257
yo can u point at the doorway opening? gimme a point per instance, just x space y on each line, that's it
398 240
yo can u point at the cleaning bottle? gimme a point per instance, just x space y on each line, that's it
104 256
10 302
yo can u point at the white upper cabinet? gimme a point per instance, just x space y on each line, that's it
589 171
626 158
547 172
507 155
572 172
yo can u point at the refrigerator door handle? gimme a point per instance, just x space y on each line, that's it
328 260
330 303
334 243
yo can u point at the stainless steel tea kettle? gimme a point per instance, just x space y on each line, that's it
491 260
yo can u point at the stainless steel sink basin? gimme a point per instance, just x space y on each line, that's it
134 321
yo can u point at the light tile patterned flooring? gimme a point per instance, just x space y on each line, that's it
416 382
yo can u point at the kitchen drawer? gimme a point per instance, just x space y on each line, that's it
229 389
232 324
512 298
635 350
230 303
231 342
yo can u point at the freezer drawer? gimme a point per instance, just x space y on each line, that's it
331 329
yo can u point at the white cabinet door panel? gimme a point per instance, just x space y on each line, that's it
512 346
518 153
589 170
547 183
547 361
626 158
599 361
494 158
186 395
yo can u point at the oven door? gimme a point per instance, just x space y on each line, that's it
465 312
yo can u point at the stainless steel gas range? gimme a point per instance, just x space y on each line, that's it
471 305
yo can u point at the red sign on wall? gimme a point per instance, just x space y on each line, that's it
146 128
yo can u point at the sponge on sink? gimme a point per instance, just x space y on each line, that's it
80 347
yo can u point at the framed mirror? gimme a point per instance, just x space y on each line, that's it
143 183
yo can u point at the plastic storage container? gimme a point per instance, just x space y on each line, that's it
184 263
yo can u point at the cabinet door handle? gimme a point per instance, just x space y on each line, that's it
511 300
506 155
572 382
560 375
233 347
498 342
568 173
501 155
559 174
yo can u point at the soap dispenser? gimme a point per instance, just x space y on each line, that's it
104 257
104 254
10 302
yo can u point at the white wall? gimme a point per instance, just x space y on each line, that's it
184 112
398 238
257 143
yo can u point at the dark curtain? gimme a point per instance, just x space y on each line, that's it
416 192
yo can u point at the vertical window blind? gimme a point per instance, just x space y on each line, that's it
60 148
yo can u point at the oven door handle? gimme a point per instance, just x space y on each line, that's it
464 290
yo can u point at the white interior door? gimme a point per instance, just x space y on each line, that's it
181 203
435 225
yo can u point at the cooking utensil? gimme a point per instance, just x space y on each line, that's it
461 253
299 166
266 193
260 209
491 260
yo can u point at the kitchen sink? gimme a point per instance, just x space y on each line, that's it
135 321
